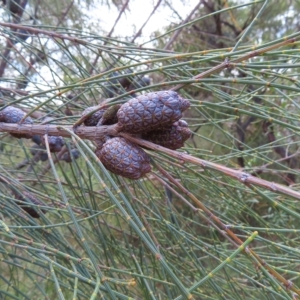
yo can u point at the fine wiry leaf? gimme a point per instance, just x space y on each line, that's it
215 219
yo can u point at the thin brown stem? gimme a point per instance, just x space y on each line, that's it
86 132
51 34
95 133
229 232
109 34
147 20
9 44
177 32
239 175
263 168
231 64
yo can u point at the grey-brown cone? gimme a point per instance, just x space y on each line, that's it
151 111
12 114
124 158
171 137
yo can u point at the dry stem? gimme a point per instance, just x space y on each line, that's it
95 133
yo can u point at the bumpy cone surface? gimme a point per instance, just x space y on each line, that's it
172 137
124 158
94 118
101 141
108 116
12 114
55 143
151 111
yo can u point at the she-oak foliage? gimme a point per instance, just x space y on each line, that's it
216 219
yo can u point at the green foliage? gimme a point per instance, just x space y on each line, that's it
219 220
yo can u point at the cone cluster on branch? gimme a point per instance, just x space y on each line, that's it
124 158
151 111
104 116
55 143
172 137
12 114
154 117
15 115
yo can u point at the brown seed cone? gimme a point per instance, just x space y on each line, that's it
172 137
12 114
55 143
101 141
94 118
105 116
124 158
110 115
31 199
151 111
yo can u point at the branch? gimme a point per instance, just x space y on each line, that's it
142 27
84 132
40 56
177 32
95 133
52 34
241 176
10 43
228 64
109 35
